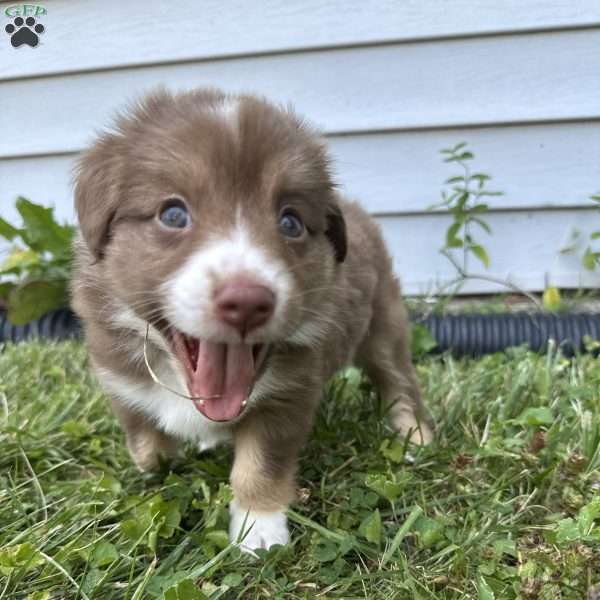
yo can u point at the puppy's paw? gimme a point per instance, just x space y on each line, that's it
148 448
211 439
255 529
418 431
206 446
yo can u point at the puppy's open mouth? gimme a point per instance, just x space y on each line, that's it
222 375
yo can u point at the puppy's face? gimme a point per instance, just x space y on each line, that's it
213 218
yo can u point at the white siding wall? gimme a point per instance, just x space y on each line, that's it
389 82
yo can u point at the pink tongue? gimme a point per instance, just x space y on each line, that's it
224 370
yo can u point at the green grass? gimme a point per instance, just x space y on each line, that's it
504 504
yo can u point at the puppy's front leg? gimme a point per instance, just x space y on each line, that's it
146 444
263 475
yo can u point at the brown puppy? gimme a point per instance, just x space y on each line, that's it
213 218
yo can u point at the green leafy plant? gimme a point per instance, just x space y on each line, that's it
464 202
34 277
421 341
591 256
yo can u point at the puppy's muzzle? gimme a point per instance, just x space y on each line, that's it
244 304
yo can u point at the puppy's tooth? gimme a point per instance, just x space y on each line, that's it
201 401
244 402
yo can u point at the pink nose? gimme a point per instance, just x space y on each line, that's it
244 304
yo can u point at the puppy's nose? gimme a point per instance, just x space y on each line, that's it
244 305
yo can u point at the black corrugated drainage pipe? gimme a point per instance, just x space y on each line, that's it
478 334
462 334
58 325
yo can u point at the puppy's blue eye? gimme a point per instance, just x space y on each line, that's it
175 216
290 225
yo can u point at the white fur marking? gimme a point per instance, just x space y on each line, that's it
257 529
173 415
229 109
190 291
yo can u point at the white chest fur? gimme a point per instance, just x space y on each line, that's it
172 414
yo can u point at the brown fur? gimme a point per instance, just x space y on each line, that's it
146 444
342 273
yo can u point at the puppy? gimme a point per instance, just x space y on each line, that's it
221 280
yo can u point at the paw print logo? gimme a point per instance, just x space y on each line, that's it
24 32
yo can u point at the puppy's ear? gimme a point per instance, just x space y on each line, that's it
97 195
336 232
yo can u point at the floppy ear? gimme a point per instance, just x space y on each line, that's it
336 232
97 195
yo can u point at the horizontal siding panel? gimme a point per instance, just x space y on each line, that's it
43 180
88 34
536 166
528 78
524 248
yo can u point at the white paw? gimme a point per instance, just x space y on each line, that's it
211 439
257 529
205 446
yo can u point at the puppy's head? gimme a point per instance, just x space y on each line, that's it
214 218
